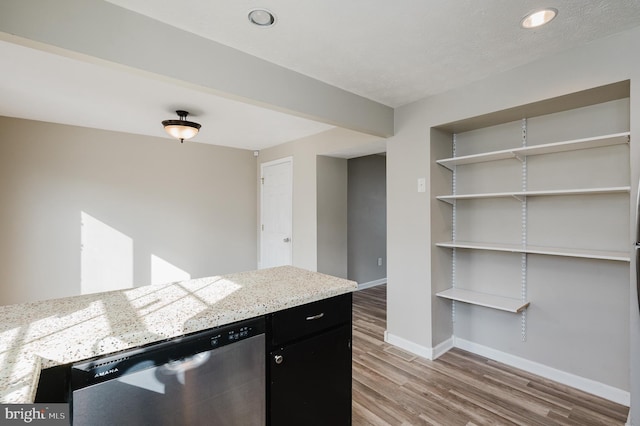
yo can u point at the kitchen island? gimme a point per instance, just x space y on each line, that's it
55 332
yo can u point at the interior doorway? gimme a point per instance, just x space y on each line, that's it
367 220
351 218
276 219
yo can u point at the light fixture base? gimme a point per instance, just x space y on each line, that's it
262 18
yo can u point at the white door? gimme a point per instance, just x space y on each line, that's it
276 213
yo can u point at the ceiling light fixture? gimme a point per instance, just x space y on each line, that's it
262 18
538 18
181 129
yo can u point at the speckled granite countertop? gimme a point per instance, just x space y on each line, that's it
43 334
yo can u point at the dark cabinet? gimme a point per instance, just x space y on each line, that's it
309 364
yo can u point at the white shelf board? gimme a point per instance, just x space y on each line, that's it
482 299
522 194
550 148
450 163
576 144
619 256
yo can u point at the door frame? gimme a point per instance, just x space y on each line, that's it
289 160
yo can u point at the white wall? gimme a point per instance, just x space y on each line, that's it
408 158
155 209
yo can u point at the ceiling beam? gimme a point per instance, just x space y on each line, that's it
100 32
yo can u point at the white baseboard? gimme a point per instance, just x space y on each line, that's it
587 385
368 284
408 345
423 351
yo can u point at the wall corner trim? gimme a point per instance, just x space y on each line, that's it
587 385
443 347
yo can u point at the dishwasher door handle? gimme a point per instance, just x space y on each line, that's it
315 317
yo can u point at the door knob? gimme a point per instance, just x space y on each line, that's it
278 359
286 240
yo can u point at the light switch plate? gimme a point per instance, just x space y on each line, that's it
422 185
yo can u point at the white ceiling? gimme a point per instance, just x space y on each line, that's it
393 52
396 52
43 86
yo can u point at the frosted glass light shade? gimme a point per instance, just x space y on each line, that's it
181 129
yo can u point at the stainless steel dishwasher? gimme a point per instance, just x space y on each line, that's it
214 377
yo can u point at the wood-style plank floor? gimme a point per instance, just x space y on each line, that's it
393 387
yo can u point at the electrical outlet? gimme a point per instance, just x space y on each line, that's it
379 261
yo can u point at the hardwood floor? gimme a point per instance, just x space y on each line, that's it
393 387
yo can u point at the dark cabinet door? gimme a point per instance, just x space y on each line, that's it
310 380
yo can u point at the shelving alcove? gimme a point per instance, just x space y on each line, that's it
520 154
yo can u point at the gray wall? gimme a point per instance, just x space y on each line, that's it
193 206
367 223
332 215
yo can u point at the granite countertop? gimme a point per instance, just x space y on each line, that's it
43 334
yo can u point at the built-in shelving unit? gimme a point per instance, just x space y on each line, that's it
530 215
488 300
521 153
572 145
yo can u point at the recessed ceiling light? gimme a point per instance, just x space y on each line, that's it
538 18
262 18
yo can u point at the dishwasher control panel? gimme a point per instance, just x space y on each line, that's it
235 334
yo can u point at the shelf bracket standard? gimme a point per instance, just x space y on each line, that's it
453 235
523 236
